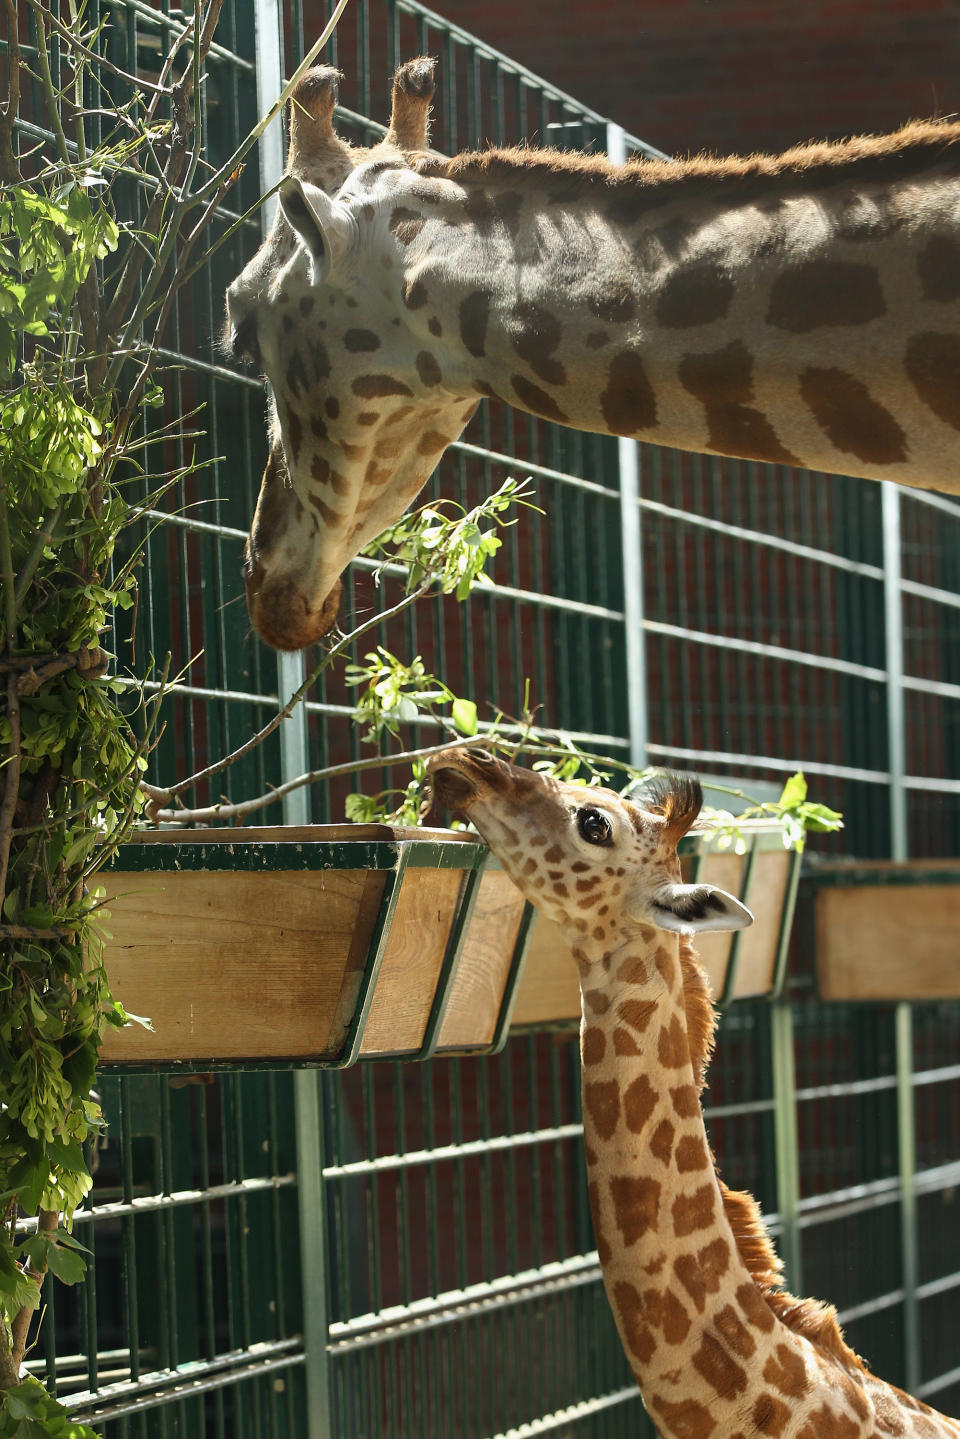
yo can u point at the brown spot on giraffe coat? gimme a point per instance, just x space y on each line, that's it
722 380
734 1332
637 1012
474 319
823 293
692 1154
720 1370
694 295
685 1420
628 403
672 1050
825 1420
532 398
639 1102
666 1313
853 421
938 265
692 1212
771 1416
701 1273
361 341
593 1045
624 1042
685 1101
636 1205
377 387
933 367
661 1144
786 1371
406 224
638 1336
535 334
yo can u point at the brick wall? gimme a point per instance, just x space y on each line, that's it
731 75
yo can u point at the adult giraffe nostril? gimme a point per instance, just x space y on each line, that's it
244 345
452 787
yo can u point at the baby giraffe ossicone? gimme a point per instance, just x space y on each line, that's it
717 1347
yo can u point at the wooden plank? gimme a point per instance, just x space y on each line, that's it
885 942
415 950
758 944
234 966
484 964
549 991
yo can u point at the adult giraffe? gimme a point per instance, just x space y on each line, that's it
718 1349
802 309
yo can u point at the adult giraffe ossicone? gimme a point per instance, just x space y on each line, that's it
802 309
718 1349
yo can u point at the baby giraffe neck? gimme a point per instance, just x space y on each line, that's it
692 1320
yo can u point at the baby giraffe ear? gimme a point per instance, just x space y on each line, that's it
698 907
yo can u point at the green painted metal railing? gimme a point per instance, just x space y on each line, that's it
405 1250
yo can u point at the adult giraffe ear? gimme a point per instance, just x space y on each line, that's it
325 227
697 907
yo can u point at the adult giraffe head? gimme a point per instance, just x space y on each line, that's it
800 309
354 410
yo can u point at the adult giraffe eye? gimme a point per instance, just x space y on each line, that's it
594 826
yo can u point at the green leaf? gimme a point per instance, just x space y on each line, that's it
794 792
464 715
66 1264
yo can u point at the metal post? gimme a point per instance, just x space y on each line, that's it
311 1200
290 667
294 761
897 764
628 455
786 1144
893 618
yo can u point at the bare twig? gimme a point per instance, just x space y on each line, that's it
9 169
162 795
50 93
136 82
181 153
28 568
221 813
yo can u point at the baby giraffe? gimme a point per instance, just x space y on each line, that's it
717 1348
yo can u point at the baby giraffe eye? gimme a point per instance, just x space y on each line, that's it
594 826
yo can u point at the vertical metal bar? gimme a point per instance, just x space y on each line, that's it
906 1130
628 453
893 616
313 1237
785 1140
290 667
896 749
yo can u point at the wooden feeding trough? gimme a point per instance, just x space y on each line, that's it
332 943
887 930
739 965
328 943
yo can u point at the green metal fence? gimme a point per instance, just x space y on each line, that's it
405 1250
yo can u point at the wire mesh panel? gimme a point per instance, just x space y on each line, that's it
445 1279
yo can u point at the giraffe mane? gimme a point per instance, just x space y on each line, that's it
914 147
810 1318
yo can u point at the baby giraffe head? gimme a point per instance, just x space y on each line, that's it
603 867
